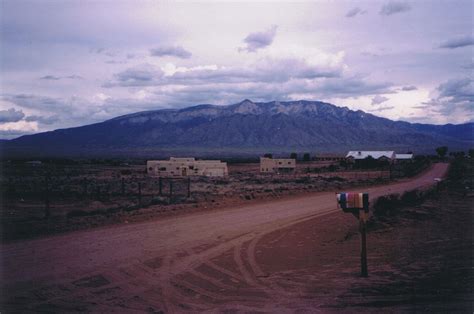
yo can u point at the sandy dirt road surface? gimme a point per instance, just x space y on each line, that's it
197 262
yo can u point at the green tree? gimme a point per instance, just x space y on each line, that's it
306 157
268 155
471 153
441 151
293 155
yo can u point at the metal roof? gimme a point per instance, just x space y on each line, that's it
404 156
374 154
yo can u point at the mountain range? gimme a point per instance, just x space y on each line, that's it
245 128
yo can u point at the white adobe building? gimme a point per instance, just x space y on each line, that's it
277 165
378 155
182 167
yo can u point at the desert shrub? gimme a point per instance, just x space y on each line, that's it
159 200
411 197
83 213
223 181
386 205
303 180
335 179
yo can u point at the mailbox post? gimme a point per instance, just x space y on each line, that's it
358 205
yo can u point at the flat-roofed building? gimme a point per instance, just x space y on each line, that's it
182 167
277 165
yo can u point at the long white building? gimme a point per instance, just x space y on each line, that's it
182 167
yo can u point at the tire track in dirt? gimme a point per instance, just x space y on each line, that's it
184 278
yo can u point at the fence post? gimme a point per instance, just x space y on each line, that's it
84 186
47 211
363 245
139 193
171 190
189 187
11 187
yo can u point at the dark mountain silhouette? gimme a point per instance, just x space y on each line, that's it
243 128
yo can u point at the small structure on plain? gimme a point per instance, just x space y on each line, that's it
183 167
277 165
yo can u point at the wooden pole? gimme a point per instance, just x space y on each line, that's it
139 193
47 211
189 187
171 189
363 243
160 185
84 184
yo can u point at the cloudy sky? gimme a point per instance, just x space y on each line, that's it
70 63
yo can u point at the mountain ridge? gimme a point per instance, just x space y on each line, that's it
246 127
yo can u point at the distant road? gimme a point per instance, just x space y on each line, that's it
175 244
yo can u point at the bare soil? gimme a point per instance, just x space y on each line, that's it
291 255
86 196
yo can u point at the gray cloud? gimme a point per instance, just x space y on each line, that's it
454 95
355 11
259 40
11 115
66 112
74 77
50 77
172 51
146 75
43 120
57 78
409 88
267 70
103 51
37 102
11 134
377 100
382 108
351 87
468 66
458 42
394 8
458 90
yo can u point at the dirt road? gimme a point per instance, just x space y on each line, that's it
171 265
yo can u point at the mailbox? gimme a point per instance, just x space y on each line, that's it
353 202
358 205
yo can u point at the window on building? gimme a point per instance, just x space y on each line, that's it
162 169
150 169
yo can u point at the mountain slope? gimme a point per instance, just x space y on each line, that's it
244 127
